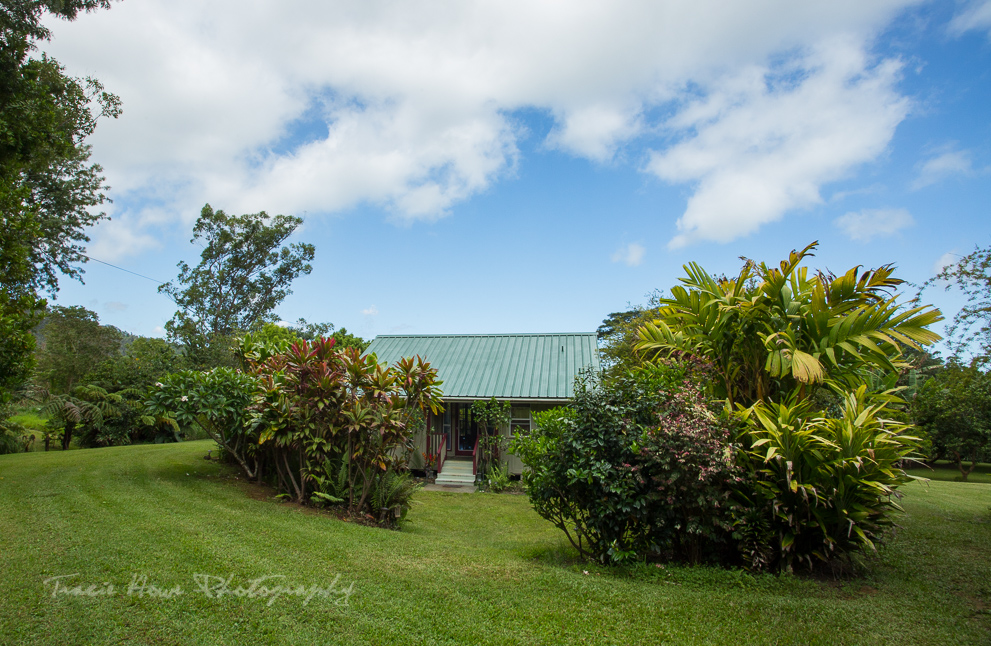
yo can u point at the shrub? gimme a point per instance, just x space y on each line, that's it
818 487
216 400
636 468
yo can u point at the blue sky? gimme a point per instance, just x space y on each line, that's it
527 167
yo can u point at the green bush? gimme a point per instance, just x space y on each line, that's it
216 401
817 487
637 468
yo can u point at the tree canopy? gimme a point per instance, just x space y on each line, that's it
242 276
72 344
48 187
970 329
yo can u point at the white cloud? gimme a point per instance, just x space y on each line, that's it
295 106
763 141
944 261
370 311
864 226
631 255
976 15
943 165
115 306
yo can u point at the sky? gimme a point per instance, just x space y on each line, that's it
523 166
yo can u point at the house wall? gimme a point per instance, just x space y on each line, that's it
514 463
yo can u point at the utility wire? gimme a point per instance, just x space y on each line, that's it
122 269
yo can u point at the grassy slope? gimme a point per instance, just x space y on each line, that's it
467 569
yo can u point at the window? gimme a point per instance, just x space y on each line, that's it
520 419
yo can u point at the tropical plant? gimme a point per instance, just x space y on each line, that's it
496 478
391 496
772 333
215 400
819 487
316 406
88 409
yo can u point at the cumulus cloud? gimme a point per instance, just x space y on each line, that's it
763 141
296 106
370 311
630 255
943 165
864 226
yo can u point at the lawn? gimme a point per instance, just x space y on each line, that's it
466 569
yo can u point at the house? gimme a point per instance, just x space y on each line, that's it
533 372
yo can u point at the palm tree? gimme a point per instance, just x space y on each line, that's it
777 332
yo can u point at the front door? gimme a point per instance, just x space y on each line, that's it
467 429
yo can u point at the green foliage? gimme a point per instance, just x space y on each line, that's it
215 400
639 467
491 415
143 362
342 338
72 344
970 330
618 336
325 417
99 417
47 186
263 343
953 408
391 496
243 275
816 487
776 332
496 478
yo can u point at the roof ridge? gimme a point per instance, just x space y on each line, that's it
407 336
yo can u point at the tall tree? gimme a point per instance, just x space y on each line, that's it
48 187
72 344
243 275
970 330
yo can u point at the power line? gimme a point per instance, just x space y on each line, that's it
122 269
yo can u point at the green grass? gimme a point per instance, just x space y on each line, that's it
33 421
948 472
466 569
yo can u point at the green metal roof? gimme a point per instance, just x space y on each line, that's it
505 366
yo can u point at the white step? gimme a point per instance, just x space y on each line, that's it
455 479
456 472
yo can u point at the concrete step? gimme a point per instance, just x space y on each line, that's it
462 470
455 479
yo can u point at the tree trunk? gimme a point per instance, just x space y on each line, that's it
965 472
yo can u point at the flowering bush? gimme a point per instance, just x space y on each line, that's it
639 467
